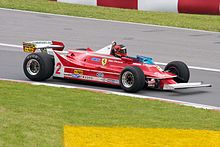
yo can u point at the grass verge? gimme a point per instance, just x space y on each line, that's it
36 115
201 22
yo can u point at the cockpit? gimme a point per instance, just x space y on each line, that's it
114 50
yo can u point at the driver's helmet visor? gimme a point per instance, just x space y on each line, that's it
123 50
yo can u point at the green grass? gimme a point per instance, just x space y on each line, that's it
201 22
36 115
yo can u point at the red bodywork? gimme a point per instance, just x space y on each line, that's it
88 65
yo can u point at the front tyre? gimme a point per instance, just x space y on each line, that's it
180 69
132 79
38 66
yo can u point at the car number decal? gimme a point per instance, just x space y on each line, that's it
58 67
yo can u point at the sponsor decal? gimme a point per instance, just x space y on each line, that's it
98 77
115 61
79 72
136 63
96 59
160 69
67 74
87 77
101 75
101 79
75 75
29 47
43 42
104 61
113 81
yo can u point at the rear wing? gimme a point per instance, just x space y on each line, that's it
32 46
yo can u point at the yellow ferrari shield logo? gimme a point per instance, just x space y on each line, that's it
104 61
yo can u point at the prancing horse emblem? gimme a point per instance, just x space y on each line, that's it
104 61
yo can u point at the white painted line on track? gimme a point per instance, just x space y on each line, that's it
195 105
10 45
104 20
159 63
193 67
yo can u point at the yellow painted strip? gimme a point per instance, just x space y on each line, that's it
138 137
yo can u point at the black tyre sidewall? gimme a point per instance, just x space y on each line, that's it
49 66
139 79
183 71
46 66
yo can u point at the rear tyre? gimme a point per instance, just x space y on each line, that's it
38 66
180 69
132 79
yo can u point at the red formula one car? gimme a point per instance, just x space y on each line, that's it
109 65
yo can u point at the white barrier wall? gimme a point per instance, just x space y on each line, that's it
83 2
158 5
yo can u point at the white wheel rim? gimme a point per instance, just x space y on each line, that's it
127 79
33 67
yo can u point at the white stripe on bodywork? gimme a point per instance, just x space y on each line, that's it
84 69
92 78
58 67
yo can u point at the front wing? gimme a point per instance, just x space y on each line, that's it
185 85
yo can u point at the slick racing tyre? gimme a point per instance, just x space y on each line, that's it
38 66
180 69
132 79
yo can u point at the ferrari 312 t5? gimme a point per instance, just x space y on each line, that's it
109 65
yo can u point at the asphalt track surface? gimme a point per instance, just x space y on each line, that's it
164 44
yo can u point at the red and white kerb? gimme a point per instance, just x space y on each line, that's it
179 6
